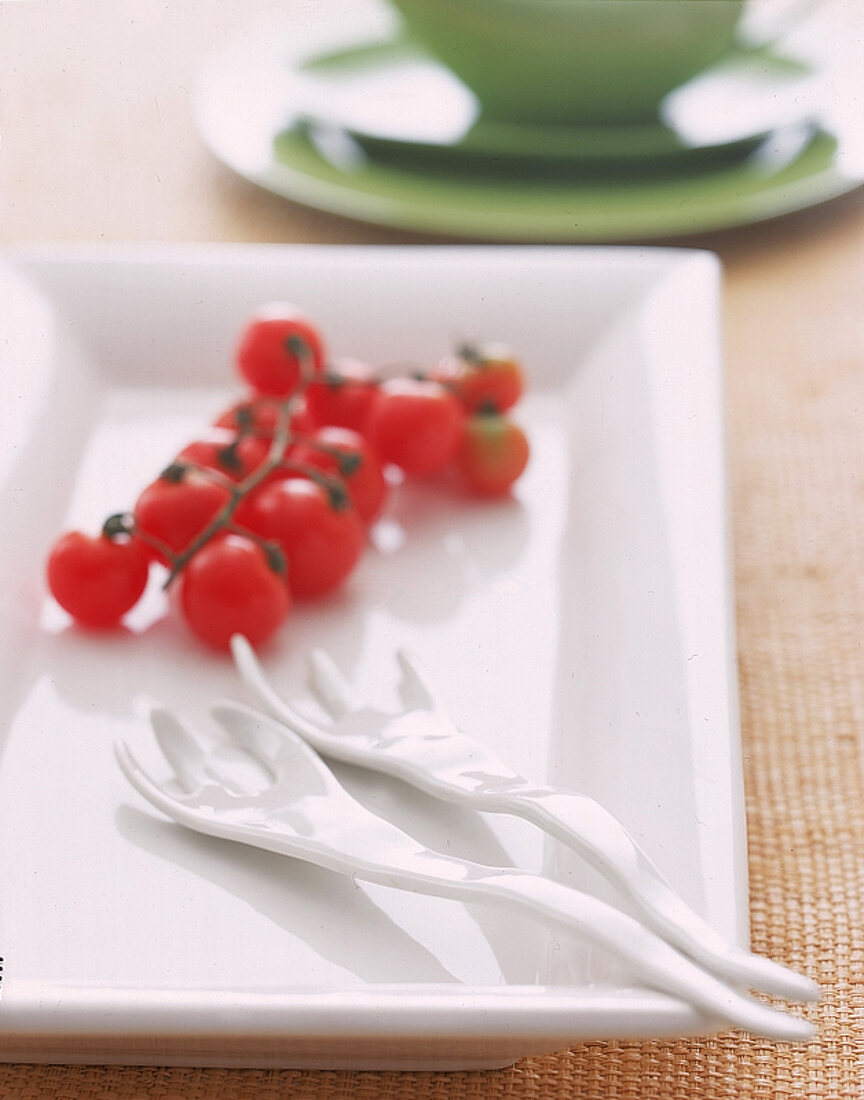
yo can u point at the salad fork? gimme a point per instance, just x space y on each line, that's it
300 810
421 746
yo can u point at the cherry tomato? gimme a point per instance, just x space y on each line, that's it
322 540
177 507
277 348
233 456
97 579
233 586
415 424
485 377
302 419
493 454
255 416
343 395
327 449
260 417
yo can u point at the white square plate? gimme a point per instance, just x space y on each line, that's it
583 627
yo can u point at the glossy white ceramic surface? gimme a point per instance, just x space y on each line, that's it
583 629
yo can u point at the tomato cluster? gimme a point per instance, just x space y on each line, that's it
274 501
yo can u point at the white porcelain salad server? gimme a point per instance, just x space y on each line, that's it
296 807
421 746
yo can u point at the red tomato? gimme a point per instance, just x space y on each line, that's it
493 454
257 416
365 481
343 396
416 425
231 586
302 419
277 349
232 455
322 542
97 579
176 510
260 416
483 378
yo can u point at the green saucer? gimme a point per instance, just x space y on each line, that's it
327 172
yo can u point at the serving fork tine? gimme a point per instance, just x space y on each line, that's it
420 745
302 811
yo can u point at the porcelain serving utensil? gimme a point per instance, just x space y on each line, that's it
421 746
294 806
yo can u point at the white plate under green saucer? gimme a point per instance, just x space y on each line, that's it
247 110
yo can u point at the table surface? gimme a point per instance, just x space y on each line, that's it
98 144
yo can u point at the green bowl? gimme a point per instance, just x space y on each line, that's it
566 61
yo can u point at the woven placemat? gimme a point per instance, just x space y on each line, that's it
797 479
